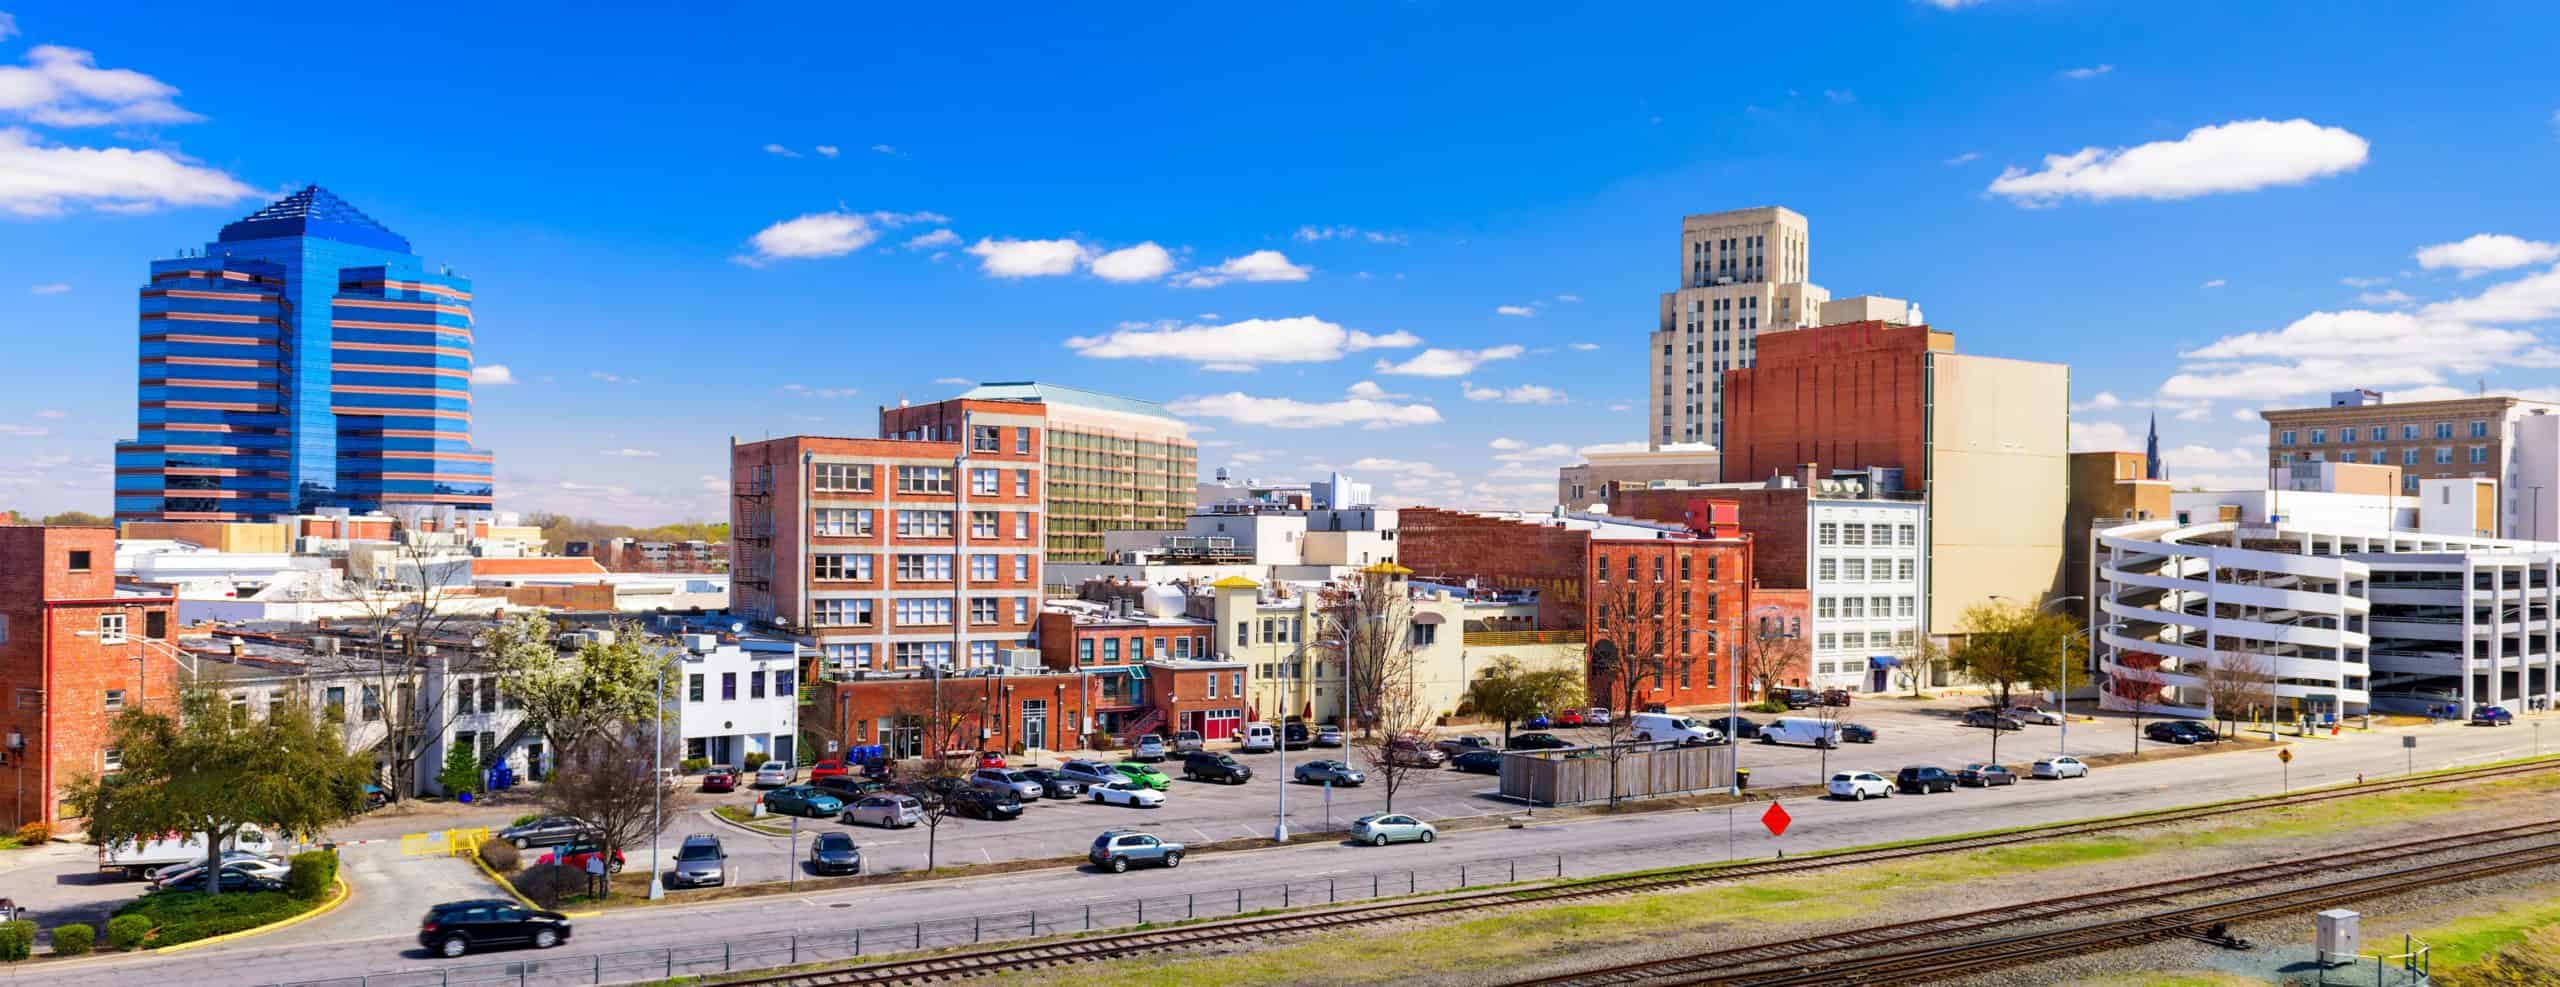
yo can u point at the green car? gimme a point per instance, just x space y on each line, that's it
802 800
1144 774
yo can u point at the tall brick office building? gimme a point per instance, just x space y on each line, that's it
73 654
1585 568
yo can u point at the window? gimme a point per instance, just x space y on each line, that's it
1853 534
840 613
115 700
1084 651
1853 608
489 694
1022 440
933 610
983 609
1684 568
1902 607
79 560
2444 430
986 438
841 567
781 682
1425 635
4 628
1182 649
1604 568
982 653
1905 569
1022 524
1022 609
986 481
335 701
982 524
924 479
1826 608
693 687
1243 636
1657 568
2319 435
1827 533
728 687
2284 438
2409 457
1110 651
924 524
110 628
1022 483
1910 534
982 567
1022 568
2479 429
841 476
755 685
909 654
1853 570
1827 570
2444 455
840 522
1213 685
2347 434
2479 455
113 758
1826 641
924 567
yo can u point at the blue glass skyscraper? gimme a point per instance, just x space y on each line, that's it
305 359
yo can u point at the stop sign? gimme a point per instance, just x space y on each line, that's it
1776 819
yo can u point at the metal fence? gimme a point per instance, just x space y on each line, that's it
847 943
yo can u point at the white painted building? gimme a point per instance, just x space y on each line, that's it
1869 584
736 699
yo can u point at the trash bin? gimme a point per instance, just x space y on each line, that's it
1742 778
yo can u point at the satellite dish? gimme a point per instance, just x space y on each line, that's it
737 627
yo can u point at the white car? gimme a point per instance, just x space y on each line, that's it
773 774
1597 716
2059 768
1857 785
269 868
2035 717
1129 793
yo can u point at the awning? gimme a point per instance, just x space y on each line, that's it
1883 661
1427 618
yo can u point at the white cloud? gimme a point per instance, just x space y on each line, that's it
1622 406
628 453
2360 347
1437 362
2192 456
2102 401
1246 409
933 241
1516 311
8 26
1144 262
1840 95
2233 157
778 149
37 179
829 393
2393 297
1544 453
1260 265
1028 258
50 288
2526 299
829 150
24 431
1965 158
1609 447
2102 437
1507 443
1584 347
492 373
2088 71
611 378
2485 252
1952 4
2216 283
2249 415
1568 298
56 414
1523 394
1313 234
64 87
884 149
827 234
2363 282
954 381
1369 389
1296 339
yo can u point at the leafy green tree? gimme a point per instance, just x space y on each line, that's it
2007 648
82 518
201 771
1510 693
461 772
573 697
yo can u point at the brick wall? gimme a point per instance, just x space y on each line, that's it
1449 546
56 668
849 712
1848 394
1774 518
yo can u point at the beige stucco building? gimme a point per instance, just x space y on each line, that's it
1276 631
1678 464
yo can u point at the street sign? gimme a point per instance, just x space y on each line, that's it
2285 754
1776 819
2409 742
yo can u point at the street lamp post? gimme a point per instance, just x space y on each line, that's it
1733 697
658 777
1280 741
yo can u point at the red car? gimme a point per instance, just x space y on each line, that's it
826 769
719 780
990 759
1568 718
576 857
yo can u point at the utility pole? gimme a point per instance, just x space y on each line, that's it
658 779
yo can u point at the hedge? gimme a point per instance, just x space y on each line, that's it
34 833
73 940
17 940
186 916
500 855
127 932
312 874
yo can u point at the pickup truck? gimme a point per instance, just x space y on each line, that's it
137 862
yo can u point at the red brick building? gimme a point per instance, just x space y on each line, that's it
73 654
1850 393
1589 571
1001 712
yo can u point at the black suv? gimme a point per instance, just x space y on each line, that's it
1294 736
1538 742
2180 732
979 803
1482 762
1798 698
1213 766
458 927
1922 781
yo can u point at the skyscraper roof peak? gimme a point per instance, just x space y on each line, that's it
315 211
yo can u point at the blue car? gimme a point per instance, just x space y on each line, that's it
1539 722
2491 716
802 800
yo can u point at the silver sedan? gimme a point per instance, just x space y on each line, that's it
1383 828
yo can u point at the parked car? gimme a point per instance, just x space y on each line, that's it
719 778
1294 736
2035 716
1383 828
700 862
826 769
1328 736
1540 722
1144 774
576 855
1568 717
1117 850
1186 741
1481 762
1835 697
1667 727
1410 752
1128 793
802 800
981 803
1330 773
1597 716
1857 786
1454 746
1055 783
1806 731
1923 780
2180 732
1654 708
991 759
834 853
1258 738
251 875
1736 727
884 810
1014 780
228 856
848 787
1538 742
937 787
1986 775
457 927
1149 749
1089 773
546 831
1993 719
1857 733
2058 768
2491 716
1797 698
1214 766
773 774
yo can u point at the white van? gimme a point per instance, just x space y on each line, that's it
1258 738
1664 726
1803 731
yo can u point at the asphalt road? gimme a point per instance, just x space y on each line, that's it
348 944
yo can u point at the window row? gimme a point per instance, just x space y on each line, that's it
1856 534
1864 570
2411 432
1861 607
780 677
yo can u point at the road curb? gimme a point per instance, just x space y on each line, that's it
339 895
739 826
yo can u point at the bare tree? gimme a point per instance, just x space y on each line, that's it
608 781
1765 655
406 612
2237 684
1830 718
1632 651
946 751
2135 686
1920 659
1367 622
1397 748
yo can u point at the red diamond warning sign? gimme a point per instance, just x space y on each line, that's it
1776 819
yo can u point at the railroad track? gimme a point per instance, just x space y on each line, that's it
1093 948
1740 964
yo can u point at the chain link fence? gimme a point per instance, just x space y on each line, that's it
793 948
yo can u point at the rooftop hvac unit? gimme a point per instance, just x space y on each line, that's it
1021 660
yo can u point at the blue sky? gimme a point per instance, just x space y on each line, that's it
687 223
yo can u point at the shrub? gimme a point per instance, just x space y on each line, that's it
17 940
311 874
526 818
73 939
34 833
500 855
755 761
127 932
186 916
548 883
461 772
693 765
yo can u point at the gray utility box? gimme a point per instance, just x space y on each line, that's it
2341 936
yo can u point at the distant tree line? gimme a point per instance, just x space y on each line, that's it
75 518
560 529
